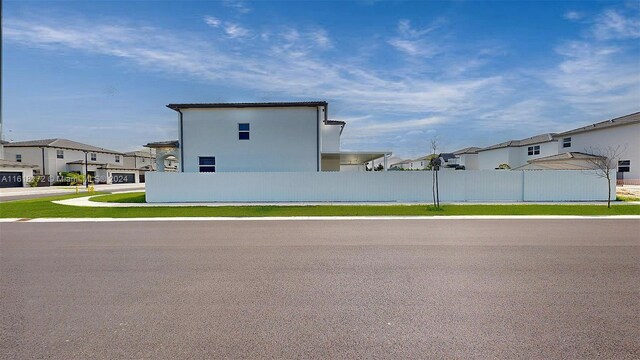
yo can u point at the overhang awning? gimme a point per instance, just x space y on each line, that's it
355 157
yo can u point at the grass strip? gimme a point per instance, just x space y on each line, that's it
44 208
128 198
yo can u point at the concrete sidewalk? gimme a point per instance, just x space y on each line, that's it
84 201
30 193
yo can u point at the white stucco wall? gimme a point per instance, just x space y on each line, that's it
281 139
409 186
514 156
490 159
520 155
330 138
131 161
470 161
627 136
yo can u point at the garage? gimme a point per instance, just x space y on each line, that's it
122 178
10 179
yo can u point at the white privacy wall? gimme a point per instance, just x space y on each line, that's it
382 186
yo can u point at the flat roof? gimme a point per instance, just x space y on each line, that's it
247 105
355 157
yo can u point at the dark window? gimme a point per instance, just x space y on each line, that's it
60 154
624 165
533 150
207 163
566 142
94 156
117 158
243 131
18 158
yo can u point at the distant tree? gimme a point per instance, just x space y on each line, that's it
503 167
380 167
604 161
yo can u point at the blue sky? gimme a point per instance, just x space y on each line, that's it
399 72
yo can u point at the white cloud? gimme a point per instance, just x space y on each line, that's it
212 21
379 103
321 38
236 30
594 77
237 5
613 25
573 15
412 41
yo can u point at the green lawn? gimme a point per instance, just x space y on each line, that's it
132 197
627 198
43 207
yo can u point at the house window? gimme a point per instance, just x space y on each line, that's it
117 158
533 150
566 142
94 156
624 165
207 163
18 157
60 154
243 131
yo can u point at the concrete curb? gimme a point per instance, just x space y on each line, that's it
85 202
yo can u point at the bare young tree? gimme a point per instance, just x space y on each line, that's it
435 166
604 161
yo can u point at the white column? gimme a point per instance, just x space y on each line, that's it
385 162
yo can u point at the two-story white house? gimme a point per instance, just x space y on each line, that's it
54 156
515 153
260 137
575 147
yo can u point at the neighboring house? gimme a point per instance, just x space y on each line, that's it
420 163
401 165
15 174
623 132
448 161
54 156
260 137
466 158
140 160
146 161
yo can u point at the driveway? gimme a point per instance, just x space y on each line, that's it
433 288
10 194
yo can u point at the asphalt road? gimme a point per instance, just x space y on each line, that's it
535 289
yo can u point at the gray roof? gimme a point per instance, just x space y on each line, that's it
81 162
140 153
247 105
401 162
542 138
168 143
468 150
622 120
565 156
9 163
61 144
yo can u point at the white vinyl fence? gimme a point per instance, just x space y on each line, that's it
382 186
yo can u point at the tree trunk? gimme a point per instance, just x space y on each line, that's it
433 186
609 194
437 191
